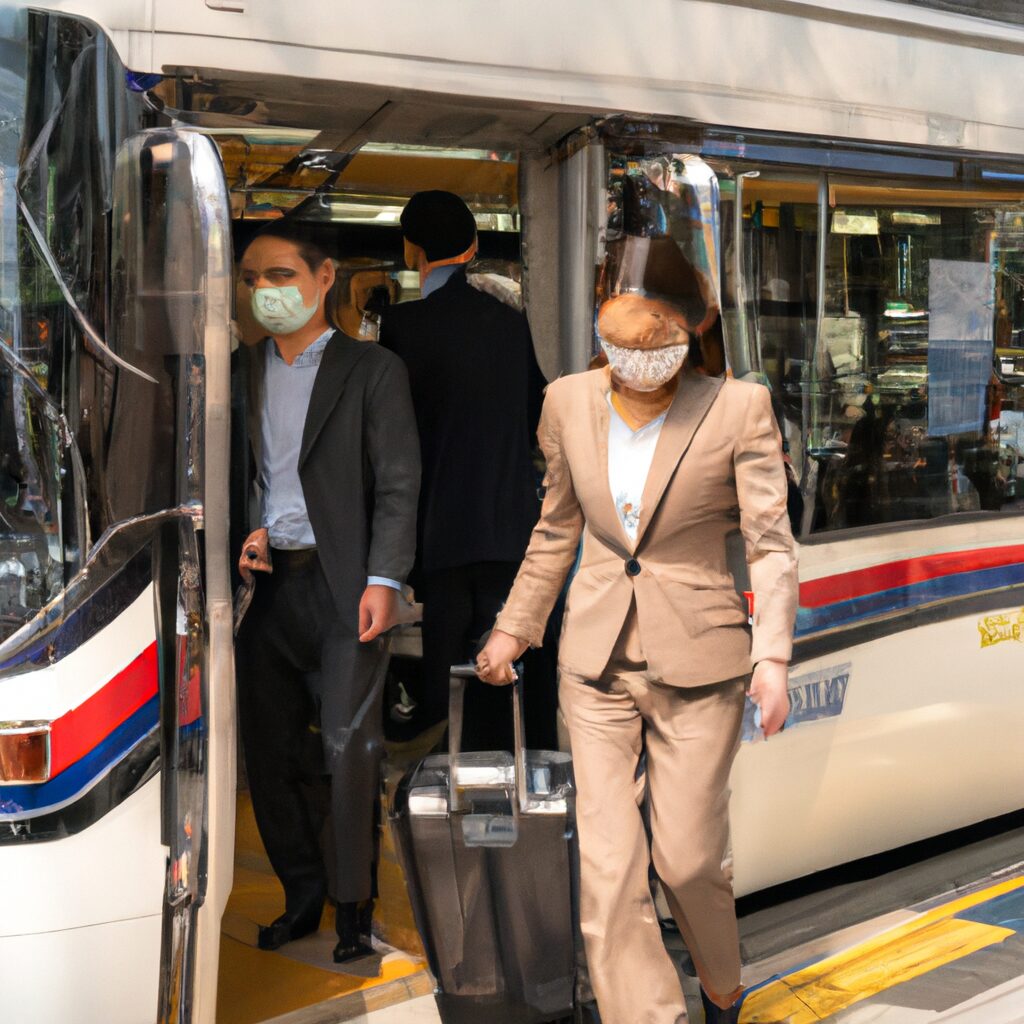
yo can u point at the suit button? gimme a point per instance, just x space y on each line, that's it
632 567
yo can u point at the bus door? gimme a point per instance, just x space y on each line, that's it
171 295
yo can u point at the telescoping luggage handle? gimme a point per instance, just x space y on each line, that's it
456 698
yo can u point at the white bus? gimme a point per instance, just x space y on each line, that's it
865 184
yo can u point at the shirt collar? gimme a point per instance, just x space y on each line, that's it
657 422
438 278
309 356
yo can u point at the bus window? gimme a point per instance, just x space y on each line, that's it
917 372
35 446
31 468
769 295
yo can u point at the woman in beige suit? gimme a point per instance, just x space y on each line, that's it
655 465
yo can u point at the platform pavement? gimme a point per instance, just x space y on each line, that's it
956 959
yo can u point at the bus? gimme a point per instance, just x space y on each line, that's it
860 178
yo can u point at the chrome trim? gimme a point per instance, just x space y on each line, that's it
211 190
578 242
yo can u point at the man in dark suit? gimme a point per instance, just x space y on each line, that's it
336 465
477 391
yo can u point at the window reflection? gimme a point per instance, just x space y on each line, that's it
31 565
770 293
886 316
31 562
915 394
40 521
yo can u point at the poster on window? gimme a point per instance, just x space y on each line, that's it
960 302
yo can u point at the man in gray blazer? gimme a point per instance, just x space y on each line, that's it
336 471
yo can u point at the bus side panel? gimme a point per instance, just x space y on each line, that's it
89 950
890 741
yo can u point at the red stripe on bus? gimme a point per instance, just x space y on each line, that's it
81 729
860 582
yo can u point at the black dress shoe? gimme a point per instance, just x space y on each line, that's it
353 922
714 1014
343 953
289 927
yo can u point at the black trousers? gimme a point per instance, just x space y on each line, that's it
459 606
309 696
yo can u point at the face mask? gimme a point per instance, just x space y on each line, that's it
645 369
281 310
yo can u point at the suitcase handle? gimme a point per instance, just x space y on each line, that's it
456 698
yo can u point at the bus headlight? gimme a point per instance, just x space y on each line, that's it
24 752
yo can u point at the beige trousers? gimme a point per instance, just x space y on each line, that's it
690 736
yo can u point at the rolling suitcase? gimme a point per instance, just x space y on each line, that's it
485 841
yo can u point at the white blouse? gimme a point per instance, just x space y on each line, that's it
629 461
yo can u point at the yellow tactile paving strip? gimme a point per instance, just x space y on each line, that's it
255 985
907 951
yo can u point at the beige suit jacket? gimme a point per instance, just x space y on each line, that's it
717 469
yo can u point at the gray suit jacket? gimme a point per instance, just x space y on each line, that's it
359 465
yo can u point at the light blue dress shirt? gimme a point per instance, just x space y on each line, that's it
438 278
286 393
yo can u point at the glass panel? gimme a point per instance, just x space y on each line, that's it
34 456
770 293
918 374
12 124
885 314
661 240
31 466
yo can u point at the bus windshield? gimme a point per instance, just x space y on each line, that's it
33 435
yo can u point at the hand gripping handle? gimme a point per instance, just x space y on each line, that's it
456 699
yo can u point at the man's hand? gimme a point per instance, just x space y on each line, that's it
768 691
255 554
494 662
377 611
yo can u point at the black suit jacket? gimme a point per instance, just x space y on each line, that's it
477 391
359 465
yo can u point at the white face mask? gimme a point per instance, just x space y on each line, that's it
281 310
644 369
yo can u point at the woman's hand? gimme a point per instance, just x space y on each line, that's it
494 662
255 555
768 691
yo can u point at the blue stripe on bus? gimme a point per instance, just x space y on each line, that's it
19 800
842 613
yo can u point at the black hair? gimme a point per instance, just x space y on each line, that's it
440 223
314 254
